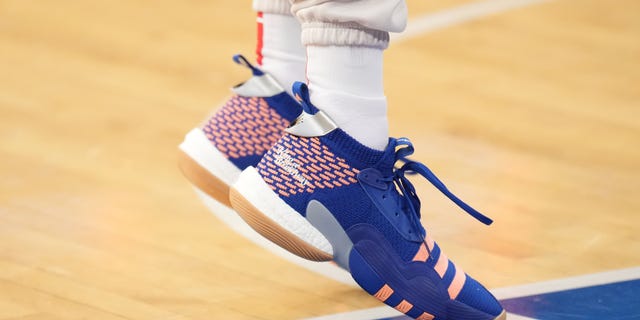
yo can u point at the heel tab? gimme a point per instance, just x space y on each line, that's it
241 60
301 94
312 122
261 84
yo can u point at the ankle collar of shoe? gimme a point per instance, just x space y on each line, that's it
358 155
285 106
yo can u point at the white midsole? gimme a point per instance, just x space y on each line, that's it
226 215
251 186
197 146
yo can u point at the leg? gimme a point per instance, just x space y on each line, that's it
344 41
279 50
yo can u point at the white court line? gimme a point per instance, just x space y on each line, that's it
509 292
364 314
384 312
457 15
511 316
568 283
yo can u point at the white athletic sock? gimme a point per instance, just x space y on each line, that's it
280 52
346 83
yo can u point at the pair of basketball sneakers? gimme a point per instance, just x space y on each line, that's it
299 180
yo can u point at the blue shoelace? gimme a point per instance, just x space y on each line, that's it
409 198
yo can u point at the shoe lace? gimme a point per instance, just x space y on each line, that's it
408 200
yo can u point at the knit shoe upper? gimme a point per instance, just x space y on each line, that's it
236 135
252 120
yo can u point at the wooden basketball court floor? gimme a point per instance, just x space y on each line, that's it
532 115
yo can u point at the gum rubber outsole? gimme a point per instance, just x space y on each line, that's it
203 179
273 231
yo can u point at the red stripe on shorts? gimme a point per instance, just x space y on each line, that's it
260 36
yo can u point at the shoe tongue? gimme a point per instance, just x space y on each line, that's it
387 159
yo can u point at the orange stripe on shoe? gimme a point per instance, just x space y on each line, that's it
457 283
442 264
425 316
422 254
384 293
404 306
430 242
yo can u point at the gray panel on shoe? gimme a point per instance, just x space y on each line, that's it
323 220
258 86
308 125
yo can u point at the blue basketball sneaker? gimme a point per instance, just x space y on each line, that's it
322 195
238 134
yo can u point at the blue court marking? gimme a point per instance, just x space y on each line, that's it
620 300
614 301
612 295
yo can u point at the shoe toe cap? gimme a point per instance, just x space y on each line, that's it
474 301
